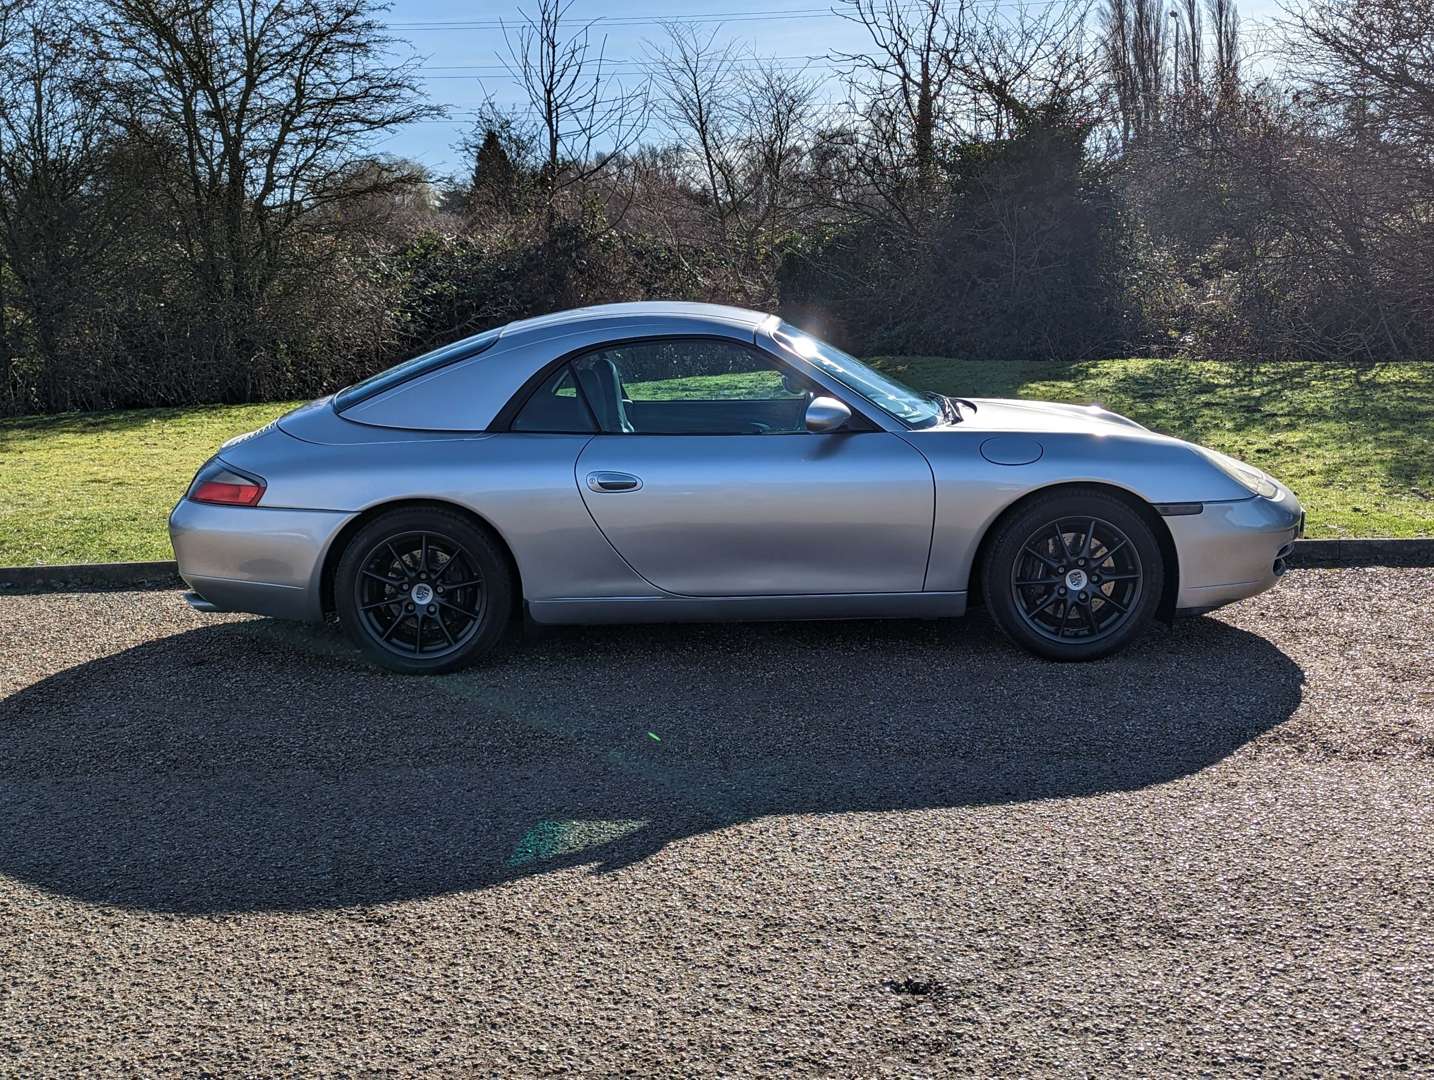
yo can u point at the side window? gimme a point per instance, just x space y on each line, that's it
691 387
557 407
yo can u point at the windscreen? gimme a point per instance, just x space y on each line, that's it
911 407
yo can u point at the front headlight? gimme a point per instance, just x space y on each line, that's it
1247 476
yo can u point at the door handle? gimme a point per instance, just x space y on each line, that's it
613 481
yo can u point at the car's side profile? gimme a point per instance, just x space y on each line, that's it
665 462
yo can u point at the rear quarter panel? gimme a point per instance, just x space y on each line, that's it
522 485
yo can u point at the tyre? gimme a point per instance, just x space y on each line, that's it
1074 575
423 591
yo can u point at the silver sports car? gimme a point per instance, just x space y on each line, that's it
662 461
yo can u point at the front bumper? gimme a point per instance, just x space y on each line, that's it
1233 550
255 559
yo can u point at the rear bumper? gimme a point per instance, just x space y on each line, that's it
255 559
1233 550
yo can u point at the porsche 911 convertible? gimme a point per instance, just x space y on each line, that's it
659 462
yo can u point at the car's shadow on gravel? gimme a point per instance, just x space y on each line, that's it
256 765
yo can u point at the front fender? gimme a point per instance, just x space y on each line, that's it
972 492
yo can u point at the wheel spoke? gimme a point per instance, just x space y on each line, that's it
391 628
454 607
418 632
1061 536
385 580
379 603
1119 577
1037 581
439 620
1090 619
1114 603
1045 604
1111 551
1048 561
464 584
1089 539
402 566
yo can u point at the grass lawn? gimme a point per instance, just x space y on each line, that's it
97 487
1355 443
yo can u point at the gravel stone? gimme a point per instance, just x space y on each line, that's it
227 846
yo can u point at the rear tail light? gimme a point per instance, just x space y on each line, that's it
217 483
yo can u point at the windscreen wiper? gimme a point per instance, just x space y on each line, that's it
951 407
964 401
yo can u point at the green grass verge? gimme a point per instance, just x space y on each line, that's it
97 487
1356 444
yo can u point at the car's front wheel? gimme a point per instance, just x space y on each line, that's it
1074 575
423 591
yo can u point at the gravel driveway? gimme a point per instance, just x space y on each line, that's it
903 849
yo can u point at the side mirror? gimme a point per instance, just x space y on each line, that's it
826 414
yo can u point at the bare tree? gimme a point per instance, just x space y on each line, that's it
267 102
1374 56
913 71
1365 68
777 136
696 81
945 75
9 9
745 123
10 81
1137 51
586 119
1025 57
1225 23
57 213
1189 65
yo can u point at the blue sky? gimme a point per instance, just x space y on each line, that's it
460 44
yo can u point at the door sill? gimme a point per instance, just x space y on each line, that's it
639 609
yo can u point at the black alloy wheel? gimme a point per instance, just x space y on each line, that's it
1076 579
423 591
415 580
1074 575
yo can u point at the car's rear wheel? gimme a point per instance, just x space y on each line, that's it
1074 575
423 591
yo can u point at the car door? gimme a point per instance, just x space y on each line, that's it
705 480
